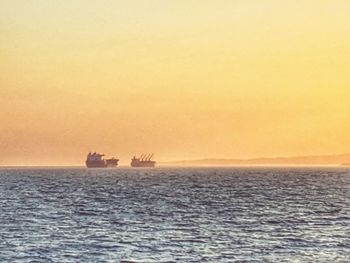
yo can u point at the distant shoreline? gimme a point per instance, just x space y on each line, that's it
323 160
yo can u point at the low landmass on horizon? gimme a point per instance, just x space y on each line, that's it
337 159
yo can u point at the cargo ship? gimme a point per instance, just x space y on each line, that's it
96 160
145 160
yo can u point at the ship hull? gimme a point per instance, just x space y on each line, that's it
100 164
143 164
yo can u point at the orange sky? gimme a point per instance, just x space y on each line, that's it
183 79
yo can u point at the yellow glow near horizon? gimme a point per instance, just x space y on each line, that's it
183 79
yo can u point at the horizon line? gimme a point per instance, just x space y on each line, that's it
187 162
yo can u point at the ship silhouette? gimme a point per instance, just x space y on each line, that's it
96 160
144 160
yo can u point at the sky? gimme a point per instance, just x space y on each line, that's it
181 79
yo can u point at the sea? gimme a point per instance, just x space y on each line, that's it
175 214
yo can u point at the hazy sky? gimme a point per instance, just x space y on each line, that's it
183 79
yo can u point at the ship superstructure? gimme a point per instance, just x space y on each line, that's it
96 160
144 160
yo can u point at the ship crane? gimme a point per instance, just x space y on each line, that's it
150 157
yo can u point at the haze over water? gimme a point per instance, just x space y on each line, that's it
175 215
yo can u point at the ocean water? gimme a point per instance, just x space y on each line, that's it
175 215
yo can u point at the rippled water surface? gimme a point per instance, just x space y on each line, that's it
175 215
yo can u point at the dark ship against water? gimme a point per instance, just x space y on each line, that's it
143 161
96 160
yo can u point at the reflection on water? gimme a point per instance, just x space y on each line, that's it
175 215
